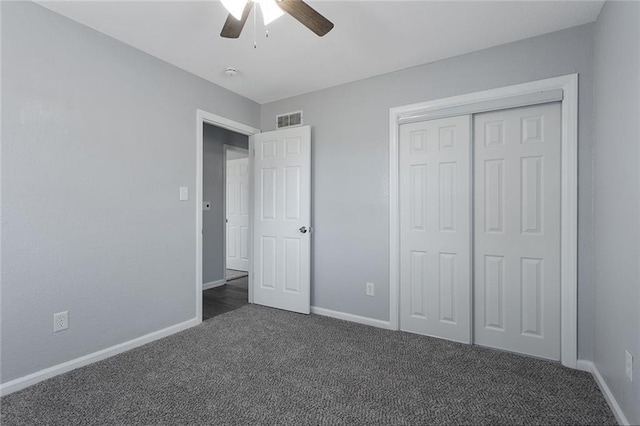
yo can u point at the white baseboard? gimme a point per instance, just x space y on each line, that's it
589 366
350 317
214 284
47 373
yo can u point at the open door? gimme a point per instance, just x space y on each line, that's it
282 219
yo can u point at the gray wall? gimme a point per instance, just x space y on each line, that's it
351 162
96 139
213 225
88 118
617 200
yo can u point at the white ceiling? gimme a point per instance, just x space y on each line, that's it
370 37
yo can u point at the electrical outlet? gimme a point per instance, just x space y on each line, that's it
60 321
628 365
370 290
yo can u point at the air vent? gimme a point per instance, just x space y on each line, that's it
290 119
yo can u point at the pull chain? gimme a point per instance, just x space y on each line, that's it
255 43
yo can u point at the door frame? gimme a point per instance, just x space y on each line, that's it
203 117
569 194
225 149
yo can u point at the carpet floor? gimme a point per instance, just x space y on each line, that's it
257 365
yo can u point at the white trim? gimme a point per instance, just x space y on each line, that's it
224 211
226 123
219 121
350 317
199 192
535 98
251 210
590 367
485 96
569 194
214 284
394 221
47 373
569 224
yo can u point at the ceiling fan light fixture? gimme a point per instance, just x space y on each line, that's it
270 10
235 7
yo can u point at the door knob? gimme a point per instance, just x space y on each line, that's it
303 229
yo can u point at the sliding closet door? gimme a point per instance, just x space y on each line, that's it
517 230
435 228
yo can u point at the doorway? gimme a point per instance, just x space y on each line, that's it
279 214
215 134
451 313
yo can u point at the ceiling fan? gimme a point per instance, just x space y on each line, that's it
272 9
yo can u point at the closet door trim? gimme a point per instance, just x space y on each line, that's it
569 195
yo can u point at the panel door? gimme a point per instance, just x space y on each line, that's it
238 214
517 230
435 227
282 216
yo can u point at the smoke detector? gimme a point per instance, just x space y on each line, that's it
230 71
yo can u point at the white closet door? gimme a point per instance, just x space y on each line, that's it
435 228
238 214
517 230
282 219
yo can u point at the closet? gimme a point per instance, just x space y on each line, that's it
479 210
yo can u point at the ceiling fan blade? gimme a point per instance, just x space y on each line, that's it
232 27
306 15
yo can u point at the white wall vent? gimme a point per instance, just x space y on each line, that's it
290 119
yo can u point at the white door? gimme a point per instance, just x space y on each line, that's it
238 214
435 226
282 219
517 230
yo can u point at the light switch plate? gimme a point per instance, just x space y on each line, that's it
370 289
628 365
184 193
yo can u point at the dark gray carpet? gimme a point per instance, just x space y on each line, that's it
257 365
